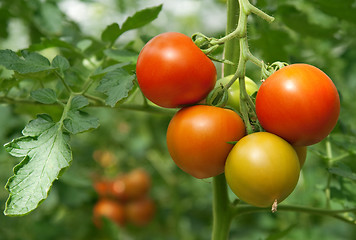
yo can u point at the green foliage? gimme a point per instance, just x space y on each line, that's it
116 85
46 151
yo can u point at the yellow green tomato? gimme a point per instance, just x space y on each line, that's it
262 169
234 90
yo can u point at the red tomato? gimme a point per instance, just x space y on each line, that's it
140 211
110 209
133 185
299 103
172 71
198 136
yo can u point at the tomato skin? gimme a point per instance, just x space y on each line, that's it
198 136
234 90
302 154
140 211
262 168
299 103
172 71
132 185
110 209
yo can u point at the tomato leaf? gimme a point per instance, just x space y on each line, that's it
49 18
79 121
60 63
44 95
141 18
46 154
121 55
79 102
116 85
343 171
111 33
32 62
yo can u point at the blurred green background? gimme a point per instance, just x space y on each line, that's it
318 32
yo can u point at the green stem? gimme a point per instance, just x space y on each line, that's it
63 81
231 47
66 110
329 156
221 209
247 209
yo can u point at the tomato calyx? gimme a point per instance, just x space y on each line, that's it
217 97
208 45
268 70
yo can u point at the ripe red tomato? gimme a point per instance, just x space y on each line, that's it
110 209
102 187
262 168
172 71
198 136
299 103
140 211
133 185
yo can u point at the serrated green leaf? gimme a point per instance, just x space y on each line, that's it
44 95
61 63
79 102
121 55
35 127
111 33
79 121
32 62
45 156
100 72
116 85
140 19
343 171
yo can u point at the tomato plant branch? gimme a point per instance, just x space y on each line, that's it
247 209
329 156
63 81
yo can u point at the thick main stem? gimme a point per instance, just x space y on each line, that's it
231 49
221 205
221 209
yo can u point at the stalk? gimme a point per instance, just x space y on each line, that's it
222 216
222 210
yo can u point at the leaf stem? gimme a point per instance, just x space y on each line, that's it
63 81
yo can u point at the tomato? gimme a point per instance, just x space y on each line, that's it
302 154
141 211
133 185
299 103
102 187
172 71
234 90
110 209
198 138
262 168
104 157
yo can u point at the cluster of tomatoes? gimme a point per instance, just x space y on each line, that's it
124 199
297 106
